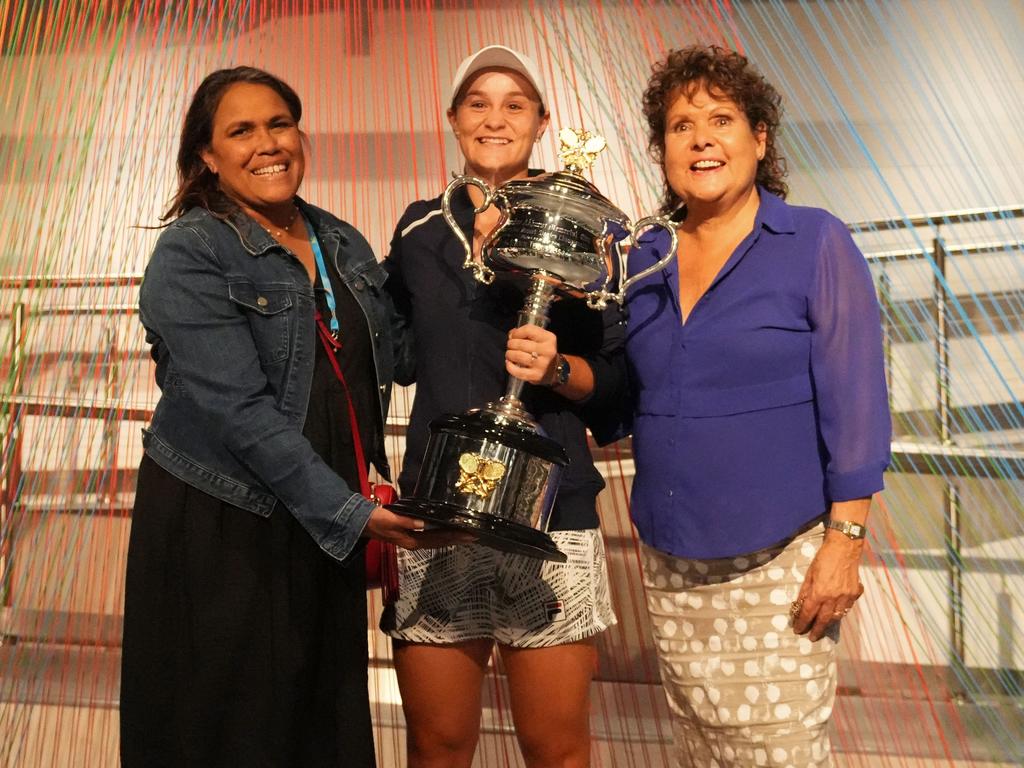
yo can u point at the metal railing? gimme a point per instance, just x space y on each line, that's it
941 458
953 460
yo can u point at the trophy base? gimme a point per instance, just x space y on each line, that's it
494 532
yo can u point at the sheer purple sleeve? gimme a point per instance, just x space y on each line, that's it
847 367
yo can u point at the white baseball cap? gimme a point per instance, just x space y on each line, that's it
498 56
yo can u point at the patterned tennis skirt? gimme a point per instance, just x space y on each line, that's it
470 591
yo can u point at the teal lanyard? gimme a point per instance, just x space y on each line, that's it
321 267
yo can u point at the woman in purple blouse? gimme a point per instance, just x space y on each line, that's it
760 424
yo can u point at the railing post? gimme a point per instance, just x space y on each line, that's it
111 430
951 496
10 454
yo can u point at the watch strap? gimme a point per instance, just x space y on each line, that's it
561 371
848 528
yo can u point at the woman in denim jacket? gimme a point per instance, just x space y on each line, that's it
245 606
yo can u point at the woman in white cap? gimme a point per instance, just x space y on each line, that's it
455 603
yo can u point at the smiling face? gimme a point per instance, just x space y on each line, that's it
497 120
711 151
256 148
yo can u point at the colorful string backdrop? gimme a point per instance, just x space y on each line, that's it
903 118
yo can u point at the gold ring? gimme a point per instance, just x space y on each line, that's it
534 355
794 610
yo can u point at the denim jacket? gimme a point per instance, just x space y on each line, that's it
229 313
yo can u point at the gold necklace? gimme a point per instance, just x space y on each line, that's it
278 234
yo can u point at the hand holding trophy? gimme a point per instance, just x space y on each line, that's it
491 470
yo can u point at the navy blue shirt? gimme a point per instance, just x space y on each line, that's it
460 329
770 402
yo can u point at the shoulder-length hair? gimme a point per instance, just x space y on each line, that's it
197 185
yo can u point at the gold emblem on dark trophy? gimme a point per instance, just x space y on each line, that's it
479 475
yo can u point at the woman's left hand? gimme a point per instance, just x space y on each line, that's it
531 354
831 586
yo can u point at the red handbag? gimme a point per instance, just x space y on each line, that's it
381 556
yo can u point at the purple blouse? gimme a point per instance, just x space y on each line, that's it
770 402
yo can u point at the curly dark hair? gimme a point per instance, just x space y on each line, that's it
197 186
721 72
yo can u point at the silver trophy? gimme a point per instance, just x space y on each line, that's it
491 470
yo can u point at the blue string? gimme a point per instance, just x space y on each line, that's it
325 280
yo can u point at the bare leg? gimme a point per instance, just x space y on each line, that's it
440 686
550 690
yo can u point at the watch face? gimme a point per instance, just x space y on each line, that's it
848 528
562 372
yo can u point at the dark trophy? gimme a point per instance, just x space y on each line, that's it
492 471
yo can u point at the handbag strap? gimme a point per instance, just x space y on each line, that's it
331 345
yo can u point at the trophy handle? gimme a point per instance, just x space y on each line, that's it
647 222
499 201
481 272
599 299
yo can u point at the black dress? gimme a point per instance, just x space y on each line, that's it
244 643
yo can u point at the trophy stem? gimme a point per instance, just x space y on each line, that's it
534 312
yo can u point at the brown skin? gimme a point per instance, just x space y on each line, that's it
711 155
441 695
832 584
254 131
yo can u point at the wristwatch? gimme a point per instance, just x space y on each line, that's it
561 371
848 528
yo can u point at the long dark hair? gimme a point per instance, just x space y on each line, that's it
719 71
197 185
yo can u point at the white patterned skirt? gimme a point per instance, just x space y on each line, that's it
470 591
744 689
